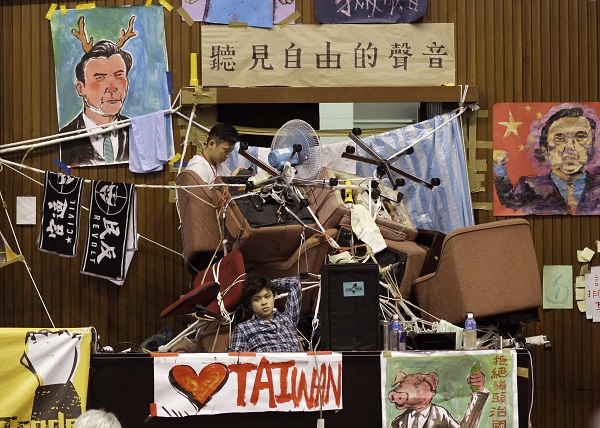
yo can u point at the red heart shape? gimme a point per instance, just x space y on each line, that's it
199 388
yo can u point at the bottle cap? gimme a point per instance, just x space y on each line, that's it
395 317
469 314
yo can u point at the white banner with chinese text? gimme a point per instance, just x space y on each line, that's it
197 384
329 55
592 294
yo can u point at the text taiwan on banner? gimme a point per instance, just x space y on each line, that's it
197 384
329 55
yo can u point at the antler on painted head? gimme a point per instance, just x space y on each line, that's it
126 35
85 43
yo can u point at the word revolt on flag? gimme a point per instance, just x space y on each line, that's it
186 385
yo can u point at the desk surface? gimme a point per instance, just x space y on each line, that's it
124 384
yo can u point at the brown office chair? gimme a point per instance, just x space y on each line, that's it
199 228
488 269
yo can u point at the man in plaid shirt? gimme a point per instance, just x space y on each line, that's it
269 330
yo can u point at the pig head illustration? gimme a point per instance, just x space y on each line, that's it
414 391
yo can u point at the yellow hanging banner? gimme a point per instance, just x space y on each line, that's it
44 375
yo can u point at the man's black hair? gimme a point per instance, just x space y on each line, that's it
254 284
102 49
223 132
573 112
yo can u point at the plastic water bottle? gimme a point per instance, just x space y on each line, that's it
385 327
395 333
470 334
402 339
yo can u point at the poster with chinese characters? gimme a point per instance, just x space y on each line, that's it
206 384
546 159
592 294
329 55
475 389
369 12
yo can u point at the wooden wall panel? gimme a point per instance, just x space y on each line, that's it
512 50
28 110
540 50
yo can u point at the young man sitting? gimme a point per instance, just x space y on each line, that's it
221 142
268 330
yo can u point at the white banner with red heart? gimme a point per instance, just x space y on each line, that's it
196 384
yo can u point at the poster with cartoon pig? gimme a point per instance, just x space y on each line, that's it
449 389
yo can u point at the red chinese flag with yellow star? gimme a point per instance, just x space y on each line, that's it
517 131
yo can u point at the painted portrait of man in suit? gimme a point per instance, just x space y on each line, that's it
101 84
562 149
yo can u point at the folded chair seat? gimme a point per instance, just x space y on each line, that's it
224 277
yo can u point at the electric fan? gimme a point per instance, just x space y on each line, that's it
297 143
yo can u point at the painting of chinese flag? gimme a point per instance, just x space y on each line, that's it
546 159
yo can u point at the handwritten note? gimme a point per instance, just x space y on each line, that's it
558 287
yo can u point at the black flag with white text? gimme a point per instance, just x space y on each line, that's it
112 232
61 212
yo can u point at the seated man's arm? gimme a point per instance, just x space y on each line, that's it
293 287
238 339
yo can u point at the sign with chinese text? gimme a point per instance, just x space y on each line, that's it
112 231
61 212
329 55
44 376
197 384
475 389
592 294
369 12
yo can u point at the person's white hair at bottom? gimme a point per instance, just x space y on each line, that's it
97 419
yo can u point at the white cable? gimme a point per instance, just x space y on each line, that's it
72 135
141 186
532 386
159 245
9 165
463 94
204 128
176 99
187 137
315 321
319 385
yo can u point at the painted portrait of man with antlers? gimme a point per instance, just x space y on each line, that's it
101 84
